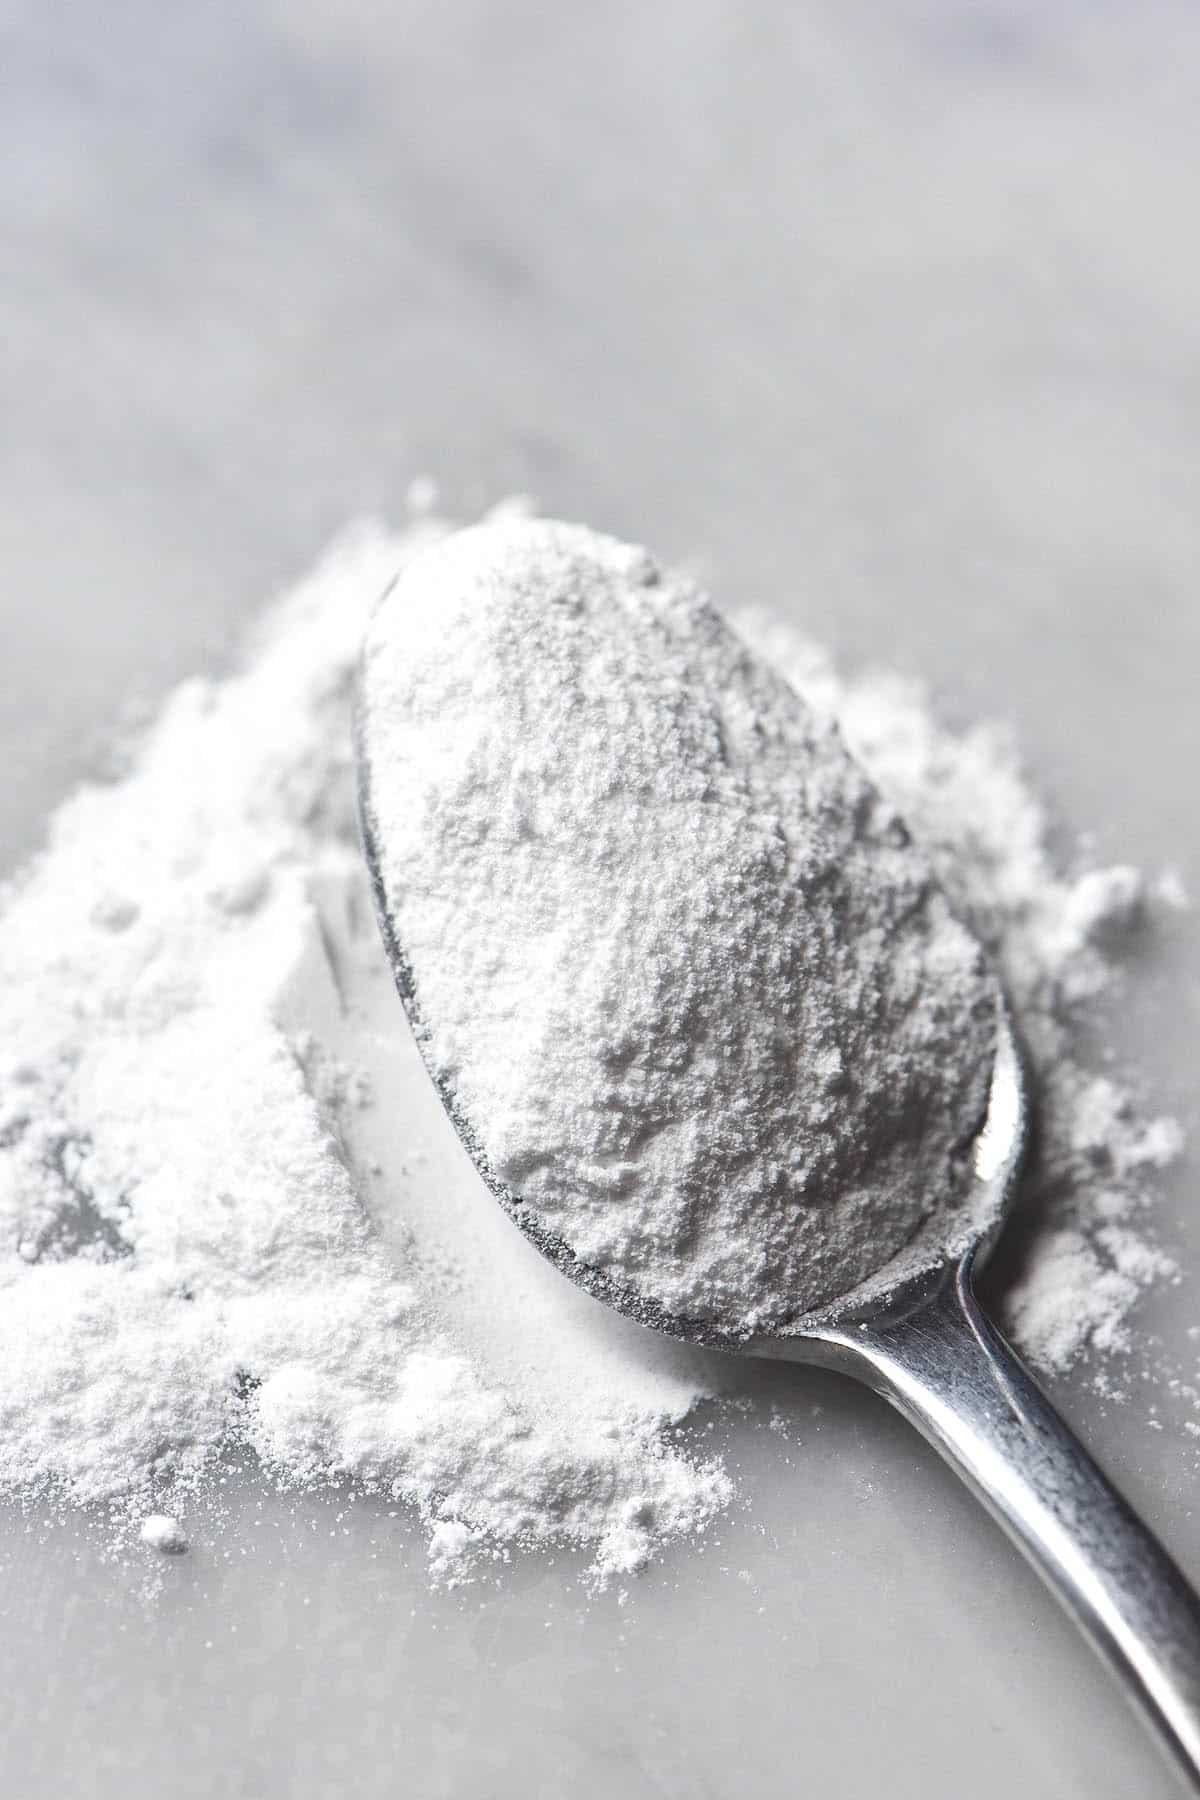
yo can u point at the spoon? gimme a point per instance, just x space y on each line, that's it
914 1332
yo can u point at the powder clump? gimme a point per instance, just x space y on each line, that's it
697 995
164 1533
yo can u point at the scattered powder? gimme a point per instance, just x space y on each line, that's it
687 980
233 1216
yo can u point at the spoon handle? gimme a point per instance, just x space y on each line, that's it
949 1371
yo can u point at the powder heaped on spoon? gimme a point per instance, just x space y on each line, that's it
700 1001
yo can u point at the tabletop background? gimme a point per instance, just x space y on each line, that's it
885 316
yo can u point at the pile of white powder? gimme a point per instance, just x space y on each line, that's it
232 1214
684 974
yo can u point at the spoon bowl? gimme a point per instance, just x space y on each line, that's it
971 1229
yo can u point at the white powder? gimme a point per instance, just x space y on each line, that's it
233 1216
692 989
162 1532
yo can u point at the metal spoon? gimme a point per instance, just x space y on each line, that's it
915 1333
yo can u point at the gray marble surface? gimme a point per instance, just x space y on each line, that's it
885 316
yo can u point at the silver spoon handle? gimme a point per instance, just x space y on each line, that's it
950 1372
